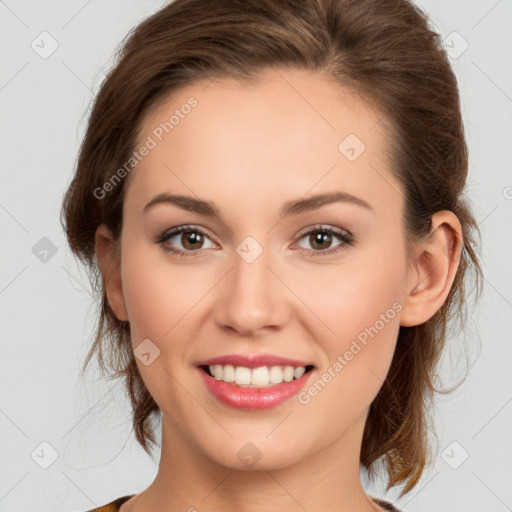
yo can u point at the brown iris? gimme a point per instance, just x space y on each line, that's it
319 238
189 238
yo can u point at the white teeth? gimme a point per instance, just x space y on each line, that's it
276 375
260 376
228 373
263 376
288 373
299 372
218 372
242 375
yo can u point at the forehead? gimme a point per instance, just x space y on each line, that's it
288 132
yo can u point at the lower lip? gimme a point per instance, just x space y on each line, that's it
247 398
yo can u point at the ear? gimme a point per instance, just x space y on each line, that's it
435 264
107 252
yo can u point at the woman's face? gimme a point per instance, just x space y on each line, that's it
262 276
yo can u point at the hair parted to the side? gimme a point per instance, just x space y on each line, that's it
383 50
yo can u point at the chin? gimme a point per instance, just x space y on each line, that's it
258 454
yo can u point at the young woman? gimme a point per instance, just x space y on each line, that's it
270 195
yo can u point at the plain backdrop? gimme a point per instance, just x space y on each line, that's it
67 444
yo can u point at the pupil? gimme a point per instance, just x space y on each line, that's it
191 237
320 238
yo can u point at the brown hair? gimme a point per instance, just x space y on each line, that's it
385 51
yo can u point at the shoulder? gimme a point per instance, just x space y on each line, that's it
113 506
386 505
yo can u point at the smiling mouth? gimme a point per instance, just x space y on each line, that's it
261 377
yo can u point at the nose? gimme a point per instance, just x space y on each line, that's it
252 297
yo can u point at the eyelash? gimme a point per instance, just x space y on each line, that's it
347 238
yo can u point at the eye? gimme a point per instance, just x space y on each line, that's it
321 238
191 239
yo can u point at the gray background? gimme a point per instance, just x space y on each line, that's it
46 310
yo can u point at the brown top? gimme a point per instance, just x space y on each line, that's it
114 506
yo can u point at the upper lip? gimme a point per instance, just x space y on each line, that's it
253 361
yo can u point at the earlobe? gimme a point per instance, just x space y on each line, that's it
109 264
436 261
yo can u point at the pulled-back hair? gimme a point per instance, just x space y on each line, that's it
383 50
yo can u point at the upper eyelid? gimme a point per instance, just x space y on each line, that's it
324 227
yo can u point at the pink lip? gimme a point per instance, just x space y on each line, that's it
247 398
253 361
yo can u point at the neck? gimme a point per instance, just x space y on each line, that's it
188 479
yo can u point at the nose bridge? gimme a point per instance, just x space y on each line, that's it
253 297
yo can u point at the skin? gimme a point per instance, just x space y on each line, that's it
249 149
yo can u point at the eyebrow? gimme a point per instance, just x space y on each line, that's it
294 207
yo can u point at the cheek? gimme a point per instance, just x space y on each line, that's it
365 318
158 299
357 318
352 296
158 294
365 303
